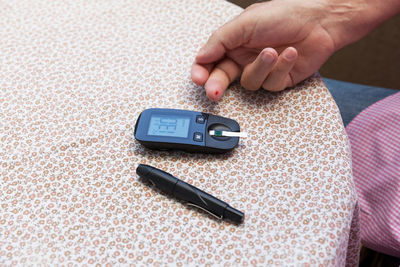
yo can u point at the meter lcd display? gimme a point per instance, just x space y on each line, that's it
169 125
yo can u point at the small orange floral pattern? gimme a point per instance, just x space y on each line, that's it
75 75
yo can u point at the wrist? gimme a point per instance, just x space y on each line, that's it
348 21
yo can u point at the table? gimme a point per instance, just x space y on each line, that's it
74 76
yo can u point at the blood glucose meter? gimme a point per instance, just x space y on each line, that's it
191 131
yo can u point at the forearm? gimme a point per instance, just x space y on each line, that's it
349 20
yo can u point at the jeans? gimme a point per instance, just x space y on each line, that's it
352 98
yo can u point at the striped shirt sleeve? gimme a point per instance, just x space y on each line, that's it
375 143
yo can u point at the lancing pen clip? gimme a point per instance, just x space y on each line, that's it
186 192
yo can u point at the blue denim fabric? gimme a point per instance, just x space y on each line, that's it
352 98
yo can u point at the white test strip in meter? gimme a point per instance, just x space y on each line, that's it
227 133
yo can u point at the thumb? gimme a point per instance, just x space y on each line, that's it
229 36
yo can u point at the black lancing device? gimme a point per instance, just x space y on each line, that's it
188 193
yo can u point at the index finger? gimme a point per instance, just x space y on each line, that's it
200 73
227 37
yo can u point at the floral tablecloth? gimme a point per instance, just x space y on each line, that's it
75 75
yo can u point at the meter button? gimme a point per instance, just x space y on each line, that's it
198 137
200 119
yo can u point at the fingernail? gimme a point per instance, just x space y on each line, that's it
290 54
202 51
267 57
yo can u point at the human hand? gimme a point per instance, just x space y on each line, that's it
272 45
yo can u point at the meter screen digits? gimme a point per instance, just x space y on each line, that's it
168 125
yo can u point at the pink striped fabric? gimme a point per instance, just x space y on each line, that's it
375 142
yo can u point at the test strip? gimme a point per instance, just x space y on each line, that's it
227 133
